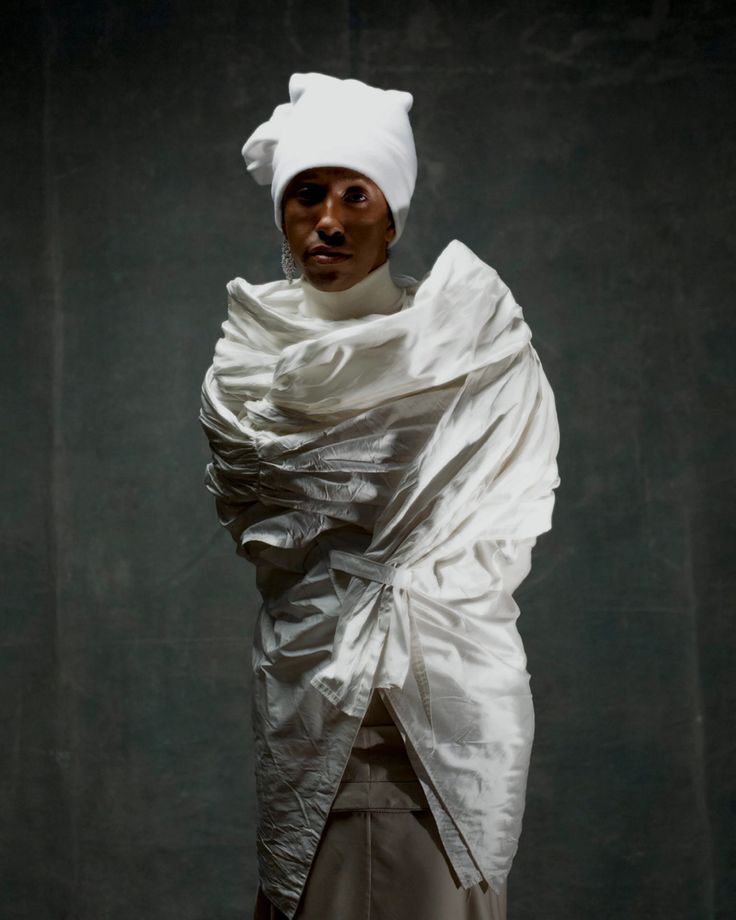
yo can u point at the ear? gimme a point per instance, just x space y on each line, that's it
391 229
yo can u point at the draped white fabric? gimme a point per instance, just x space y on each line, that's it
388 475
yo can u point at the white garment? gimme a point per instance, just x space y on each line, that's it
388 474
376 293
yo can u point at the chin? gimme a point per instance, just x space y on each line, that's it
330 281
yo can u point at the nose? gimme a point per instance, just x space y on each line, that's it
329 220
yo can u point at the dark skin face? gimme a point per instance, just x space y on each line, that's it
338 225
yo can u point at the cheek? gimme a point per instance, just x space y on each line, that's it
371 229
295 228
293 214
379 235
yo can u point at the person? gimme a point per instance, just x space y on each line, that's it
384 452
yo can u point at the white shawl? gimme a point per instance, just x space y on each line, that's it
433 432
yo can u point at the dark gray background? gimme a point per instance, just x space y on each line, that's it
581 149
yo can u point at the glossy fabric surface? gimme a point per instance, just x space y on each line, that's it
388 475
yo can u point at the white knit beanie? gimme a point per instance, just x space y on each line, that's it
332 122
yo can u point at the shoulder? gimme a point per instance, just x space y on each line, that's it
458 274
241 289
457 264
272 303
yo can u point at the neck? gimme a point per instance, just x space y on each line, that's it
376 293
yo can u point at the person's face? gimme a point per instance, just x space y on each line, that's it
338 225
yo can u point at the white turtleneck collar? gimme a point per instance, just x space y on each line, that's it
376 293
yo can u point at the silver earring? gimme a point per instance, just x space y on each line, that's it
288 265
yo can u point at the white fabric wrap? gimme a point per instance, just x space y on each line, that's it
332 122
386 474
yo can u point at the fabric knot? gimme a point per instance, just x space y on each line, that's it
346 680
353 564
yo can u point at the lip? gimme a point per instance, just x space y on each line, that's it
323 255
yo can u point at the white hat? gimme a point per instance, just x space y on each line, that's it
332 122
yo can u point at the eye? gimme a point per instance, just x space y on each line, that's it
356 194
308 194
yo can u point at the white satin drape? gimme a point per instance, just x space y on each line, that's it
388 475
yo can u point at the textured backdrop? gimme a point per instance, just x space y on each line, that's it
581 149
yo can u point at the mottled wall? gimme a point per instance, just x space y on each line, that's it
581 149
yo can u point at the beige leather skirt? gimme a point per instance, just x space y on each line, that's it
380 856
